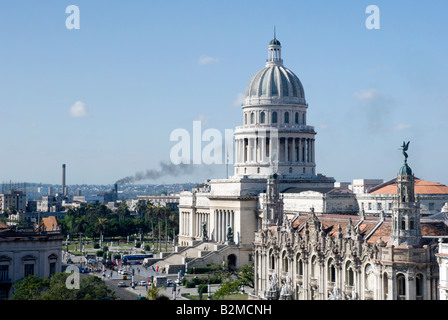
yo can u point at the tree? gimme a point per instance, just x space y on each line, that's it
234 280
154 293
34 288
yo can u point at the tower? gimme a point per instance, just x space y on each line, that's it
273 212
275 136
406 229
64 190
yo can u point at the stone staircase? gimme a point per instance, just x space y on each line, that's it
198 255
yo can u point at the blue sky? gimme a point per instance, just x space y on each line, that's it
137 70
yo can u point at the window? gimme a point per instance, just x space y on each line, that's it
52 268
331 271
419 286
271 260
403 224
29 269
401 286
252 118
286 117
262 117
350 277
4 272
284 262
299 265
431 206
296 120
274 117
290 169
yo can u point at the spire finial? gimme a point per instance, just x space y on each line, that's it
274 33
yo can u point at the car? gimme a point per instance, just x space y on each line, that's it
169 282
122 284
143 283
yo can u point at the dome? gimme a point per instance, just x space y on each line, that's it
274 42
274 84
405 169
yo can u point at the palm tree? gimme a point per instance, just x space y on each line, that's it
154 293
100 227
81 224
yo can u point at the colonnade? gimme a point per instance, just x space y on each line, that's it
260 149
223 218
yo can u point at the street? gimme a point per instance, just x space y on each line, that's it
111 278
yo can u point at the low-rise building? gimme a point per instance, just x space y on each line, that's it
29 252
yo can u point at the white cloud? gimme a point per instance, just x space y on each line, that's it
204 59
401 127
239 100
367 94
78 110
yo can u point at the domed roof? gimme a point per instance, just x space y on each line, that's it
274 42
274 84
405 169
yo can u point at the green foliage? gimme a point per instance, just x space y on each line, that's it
95 219
203 288
34 288
233 281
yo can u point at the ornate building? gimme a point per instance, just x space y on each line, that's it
274 137
340 257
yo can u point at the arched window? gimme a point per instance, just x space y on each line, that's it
245 118
419 286
271 260
290 169
403 224
274 117
331 271
262 117
401 286
411 224
296 120
284 262
349 275
299 265
286 117
252 118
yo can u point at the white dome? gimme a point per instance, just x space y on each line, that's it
274 84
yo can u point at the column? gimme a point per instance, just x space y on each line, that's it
299 150
294 151
286 150
263 150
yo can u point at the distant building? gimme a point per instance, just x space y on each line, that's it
29 252
171 201
13 200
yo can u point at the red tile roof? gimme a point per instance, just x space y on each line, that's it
420 187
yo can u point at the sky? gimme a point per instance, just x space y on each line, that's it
104 98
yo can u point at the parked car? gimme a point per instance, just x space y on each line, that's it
122 284
143 283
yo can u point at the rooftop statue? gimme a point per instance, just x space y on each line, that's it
405 148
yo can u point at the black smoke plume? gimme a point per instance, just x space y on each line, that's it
166 169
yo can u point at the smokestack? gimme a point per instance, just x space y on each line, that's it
63 180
